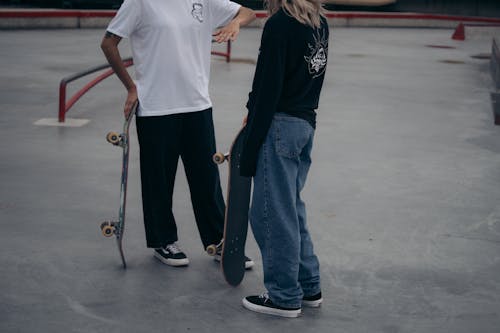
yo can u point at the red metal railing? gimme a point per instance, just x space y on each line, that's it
64 105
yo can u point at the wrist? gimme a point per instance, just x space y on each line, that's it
245 16
132 88
237 21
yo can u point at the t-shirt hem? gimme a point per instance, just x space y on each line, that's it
149 113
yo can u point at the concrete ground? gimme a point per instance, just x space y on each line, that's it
403 195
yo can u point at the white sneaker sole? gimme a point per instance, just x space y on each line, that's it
172 262
248 264
313 304
271 311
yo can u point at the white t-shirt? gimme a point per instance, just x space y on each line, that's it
171 43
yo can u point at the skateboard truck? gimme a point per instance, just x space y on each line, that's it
212 249
116 139
220 158
109 228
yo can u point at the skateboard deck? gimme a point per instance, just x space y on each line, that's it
117 228
236 217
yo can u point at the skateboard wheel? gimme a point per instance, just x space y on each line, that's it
219 158
107 229
113 138
212 250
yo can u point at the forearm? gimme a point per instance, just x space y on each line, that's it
257 126
109 46
232 29
259 120
244 16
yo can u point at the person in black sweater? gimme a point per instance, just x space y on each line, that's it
279 136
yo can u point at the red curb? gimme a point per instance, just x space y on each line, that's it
260 14
56 13
414 16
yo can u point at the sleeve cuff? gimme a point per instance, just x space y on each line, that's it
118 33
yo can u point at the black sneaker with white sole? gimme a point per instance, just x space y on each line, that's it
262 304
313 301
248 262
171 255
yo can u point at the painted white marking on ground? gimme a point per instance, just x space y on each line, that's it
69 122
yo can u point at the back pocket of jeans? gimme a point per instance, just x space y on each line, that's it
290 136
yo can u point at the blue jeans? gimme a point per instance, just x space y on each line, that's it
278 215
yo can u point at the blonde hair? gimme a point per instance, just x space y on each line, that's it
307 12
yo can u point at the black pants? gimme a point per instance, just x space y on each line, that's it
162 140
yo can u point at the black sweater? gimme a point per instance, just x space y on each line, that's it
288 78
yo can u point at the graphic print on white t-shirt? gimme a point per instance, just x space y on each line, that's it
197 11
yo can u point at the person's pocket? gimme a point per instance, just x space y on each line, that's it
291 135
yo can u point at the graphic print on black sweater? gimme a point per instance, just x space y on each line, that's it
316 61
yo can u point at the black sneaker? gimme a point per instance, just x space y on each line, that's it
248 262
263 304
171 255
313 301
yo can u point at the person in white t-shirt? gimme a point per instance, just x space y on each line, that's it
171 47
